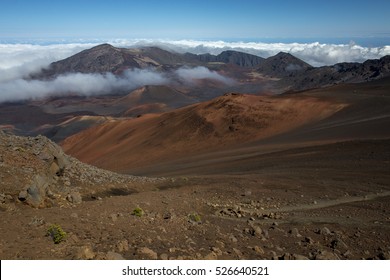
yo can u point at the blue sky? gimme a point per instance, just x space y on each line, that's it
194 19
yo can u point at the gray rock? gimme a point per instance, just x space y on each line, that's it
74 197
23 195
326 255
325 231
308 240
35 194
43 156
294 232
338 244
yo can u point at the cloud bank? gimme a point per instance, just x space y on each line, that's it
189 75
96 84
315 53
18 61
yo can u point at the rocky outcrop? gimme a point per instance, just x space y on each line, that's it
35 171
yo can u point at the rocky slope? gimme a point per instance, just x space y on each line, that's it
214 125
35 171
370 70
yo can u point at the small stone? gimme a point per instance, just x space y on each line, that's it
74 197
114 217
233 239
211 256
308 240
299 257
258 250
325 231
85 253
23 195
54 169
123 246
257 231
164 257
326 255
339 244
238 252
74 215
217 251
294 232
167 216
147 253
347 254
114 256
43 156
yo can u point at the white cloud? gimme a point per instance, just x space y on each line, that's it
19 60
78 83
197 73
95 84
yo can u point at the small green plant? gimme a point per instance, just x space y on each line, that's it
56 233
195 218
138 212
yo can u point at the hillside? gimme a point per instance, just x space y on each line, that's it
340 73
151 99
283 65
212 125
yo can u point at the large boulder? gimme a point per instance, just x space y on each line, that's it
35 193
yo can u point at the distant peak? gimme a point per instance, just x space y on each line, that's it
104 46
283 54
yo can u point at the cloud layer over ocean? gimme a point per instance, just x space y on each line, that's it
17 61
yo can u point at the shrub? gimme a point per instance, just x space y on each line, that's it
138 212
56 233
195 218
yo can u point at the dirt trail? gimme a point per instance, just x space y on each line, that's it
315 205
329 203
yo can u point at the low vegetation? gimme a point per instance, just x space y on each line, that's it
138 212
56 233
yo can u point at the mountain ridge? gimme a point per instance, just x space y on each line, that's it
293 73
